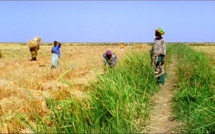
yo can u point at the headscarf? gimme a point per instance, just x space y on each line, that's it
160 31
108 54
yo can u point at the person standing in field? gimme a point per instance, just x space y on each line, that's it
34 46
158 55
0 54
122 46
55 54
110 59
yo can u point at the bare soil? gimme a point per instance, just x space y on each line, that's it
162 119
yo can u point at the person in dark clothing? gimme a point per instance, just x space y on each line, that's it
109 58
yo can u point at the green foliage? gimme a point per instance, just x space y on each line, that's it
122 95
195 99
119 101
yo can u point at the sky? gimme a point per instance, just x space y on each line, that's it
107 21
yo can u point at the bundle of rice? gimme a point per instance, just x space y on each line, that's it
32 43
38 39
35 42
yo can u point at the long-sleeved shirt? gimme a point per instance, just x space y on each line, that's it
159 47
56 49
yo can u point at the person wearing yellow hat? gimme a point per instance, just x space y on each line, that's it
158 55
122 46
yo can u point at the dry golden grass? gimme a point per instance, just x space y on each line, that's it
24 84
208 49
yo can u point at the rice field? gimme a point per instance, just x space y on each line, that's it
194 94
81 97
24 85
207 49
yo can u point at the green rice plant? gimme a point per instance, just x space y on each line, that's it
66 116
122 95
69 117
119 101
194 99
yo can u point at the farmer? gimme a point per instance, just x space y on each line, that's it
158 54
34 46
122 46
55 54
0 54
109 58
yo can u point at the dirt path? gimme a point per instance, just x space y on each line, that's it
162 120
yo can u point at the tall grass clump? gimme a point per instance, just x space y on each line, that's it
119 102
66 116
121 97
195 100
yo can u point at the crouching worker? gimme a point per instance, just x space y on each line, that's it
109 58
55 54
34 46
